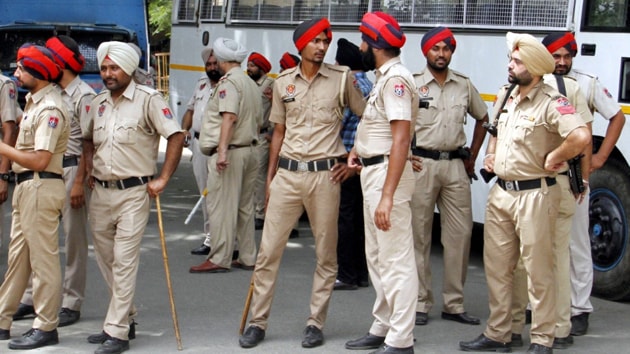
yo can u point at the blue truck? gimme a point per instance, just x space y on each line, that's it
88 22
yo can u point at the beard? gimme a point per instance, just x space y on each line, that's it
522 80
213 75
438 67
368 59
255 76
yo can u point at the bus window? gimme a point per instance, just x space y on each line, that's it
606 16
624 86
186 11
210 10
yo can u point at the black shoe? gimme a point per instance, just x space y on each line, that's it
113 346
202 250
461 318
422 318
539 348
24 311
295 233
485 344
364 283
252 336
339 285
579 324
517 341
528 316
313 337
5 334
35 338
386 349
259 223
100 338
562 343
368 341
68 317
235 255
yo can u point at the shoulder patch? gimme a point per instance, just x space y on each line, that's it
564 106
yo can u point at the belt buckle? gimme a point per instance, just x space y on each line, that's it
302 166
444 155
509 185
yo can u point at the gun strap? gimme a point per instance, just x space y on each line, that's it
561 87
505 99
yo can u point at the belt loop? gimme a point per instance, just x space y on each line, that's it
543 185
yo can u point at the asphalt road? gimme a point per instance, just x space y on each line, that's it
209 306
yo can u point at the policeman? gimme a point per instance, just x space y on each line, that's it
446 97
538 131
77 95
38 200
288 61
570 88
382 146
9 112
305 171
563 47
257 68
229 134
191 123
122 136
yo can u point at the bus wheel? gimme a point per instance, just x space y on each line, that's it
608 210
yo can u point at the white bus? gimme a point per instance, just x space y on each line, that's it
602 29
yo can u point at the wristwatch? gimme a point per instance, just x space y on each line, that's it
4 176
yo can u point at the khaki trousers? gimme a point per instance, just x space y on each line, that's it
581 261
118 220
390 258
200 170
290 194
34 251
231 207
446 183
520 224
561 266
262 150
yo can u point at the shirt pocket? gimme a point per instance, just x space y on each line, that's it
27 135
523 128
125 132
428 116
327 110
294 115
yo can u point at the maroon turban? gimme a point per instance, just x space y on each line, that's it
66 53
260 61
437 35
556 41
288 61
39 62
309 29
381 31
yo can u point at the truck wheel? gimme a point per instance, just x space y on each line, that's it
609 214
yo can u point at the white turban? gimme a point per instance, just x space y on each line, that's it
120 53
534 54
226 49
205 54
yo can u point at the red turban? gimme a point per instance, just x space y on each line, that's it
437 35
39 62
556 41
288 61
260 61
381 30
66 53
309 29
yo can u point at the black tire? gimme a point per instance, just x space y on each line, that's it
609 212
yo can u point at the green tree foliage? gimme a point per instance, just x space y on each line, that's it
160 17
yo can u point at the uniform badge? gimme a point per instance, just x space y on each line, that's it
167 113
424 91
12 93
87 108
52 122
222 94
290 93
101 110
564 106
607 93
399 90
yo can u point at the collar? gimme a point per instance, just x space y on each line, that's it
382 70
39 95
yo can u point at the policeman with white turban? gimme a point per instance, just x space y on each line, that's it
538 130
120 53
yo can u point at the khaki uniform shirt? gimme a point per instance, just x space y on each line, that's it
126 132
44 126
235 93
265 83
597 96
199 100
313 111
528 129
8 100
393 97
441 126
77 95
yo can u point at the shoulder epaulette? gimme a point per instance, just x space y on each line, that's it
459 74
287 72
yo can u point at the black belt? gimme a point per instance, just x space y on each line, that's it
368 161
524 185
230 147
28 175
263 131
124 183
436 155
69 161
303 166
565 173
196 135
